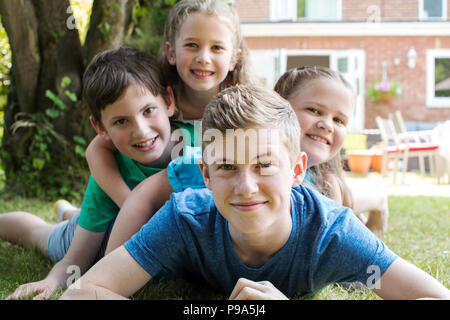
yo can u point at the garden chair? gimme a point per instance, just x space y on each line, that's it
419 139
401 146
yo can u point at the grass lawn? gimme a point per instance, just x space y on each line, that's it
418 231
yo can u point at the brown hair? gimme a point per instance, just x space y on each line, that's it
288 85
111 72
247 106
177 16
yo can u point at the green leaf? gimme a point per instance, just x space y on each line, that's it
49 94
38 163
79 140
80 151
72 96
65 81
52 113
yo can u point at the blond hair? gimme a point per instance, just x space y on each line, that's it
249 106
178 15
287 86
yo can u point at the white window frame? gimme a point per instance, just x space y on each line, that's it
422 13
339 12
431 100
283 10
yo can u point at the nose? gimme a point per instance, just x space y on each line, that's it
203 56
246 185
326 124
141 128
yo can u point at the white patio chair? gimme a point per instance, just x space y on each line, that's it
400 146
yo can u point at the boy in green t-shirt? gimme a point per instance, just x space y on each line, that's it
130 107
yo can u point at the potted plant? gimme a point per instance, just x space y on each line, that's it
383 91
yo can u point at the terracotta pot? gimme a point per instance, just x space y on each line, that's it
377 160
359 162
386 97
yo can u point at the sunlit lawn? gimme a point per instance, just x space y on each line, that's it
418 231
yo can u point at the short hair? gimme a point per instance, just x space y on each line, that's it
249 106
111 72
178 15
293 79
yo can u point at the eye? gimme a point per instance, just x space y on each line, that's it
119 122
226 167
312 110
149 110
217 48
264 165
190 45
339 121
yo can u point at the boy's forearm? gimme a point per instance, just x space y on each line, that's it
140 206
104 169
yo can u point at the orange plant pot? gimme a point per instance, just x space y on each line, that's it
377 160
359 162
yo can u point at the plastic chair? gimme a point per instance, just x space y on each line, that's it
402 146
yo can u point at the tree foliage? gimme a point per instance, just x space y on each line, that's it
47 45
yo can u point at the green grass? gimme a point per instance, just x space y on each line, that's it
418 232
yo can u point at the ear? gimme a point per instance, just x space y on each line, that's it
234 60
98 127
204 169
299 169
170 53
171 102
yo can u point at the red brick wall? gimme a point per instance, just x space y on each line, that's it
412 102
259 10
253 10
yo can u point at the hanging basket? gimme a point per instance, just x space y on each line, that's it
386 97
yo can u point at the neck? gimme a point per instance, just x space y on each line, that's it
192 103
254 250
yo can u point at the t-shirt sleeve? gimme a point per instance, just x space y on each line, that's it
348 251
97 209
158 247
184 172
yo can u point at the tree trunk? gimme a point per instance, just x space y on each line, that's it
109 25
45 49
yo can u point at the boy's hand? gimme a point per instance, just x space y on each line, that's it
250 290
37 290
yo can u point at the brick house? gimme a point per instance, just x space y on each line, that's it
403 40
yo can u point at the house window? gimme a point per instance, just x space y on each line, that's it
438 78
433 9
323 10
283 10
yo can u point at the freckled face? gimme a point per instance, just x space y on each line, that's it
323 108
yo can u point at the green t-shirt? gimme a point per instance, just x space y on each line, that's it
98 210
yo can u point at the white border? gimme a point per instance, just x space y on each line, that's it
431 100
345 29
421 12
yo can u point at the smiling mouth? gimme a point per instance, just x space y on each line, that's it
318 139
146 144
202 73
248 206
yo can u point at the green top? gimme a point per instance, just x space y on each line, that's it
98 210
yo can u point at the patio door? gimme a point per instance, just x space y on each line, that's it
269 65
351 64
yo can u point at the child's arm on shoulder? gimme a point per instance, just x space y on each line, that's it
103 167
81 254
402 280
115 276
142 203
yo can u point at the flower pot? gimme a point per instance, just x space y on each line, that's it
359 161
377 160
386 97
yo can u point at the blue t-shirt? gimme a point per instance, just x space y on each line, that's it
188 237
